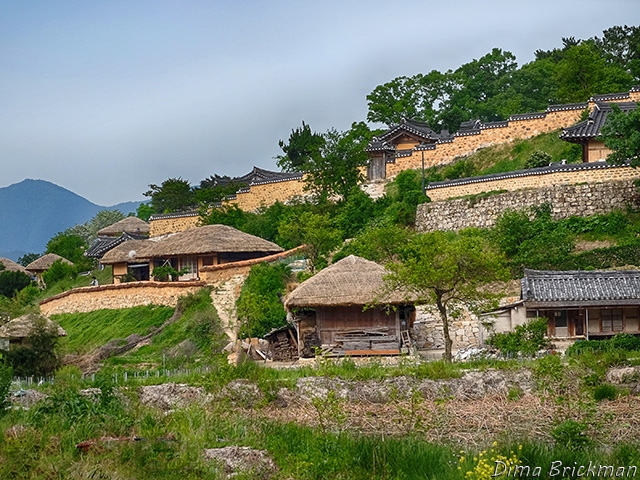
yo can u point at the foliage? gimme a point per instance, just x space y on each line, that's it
538 159
11 282
201 322
227 214
538 243
315 231
336 169
59 270
6 376
165 273
621 134
144 211
621 341
37 355
173 195
379 243
88 231
447 270
405 194
27 258
606 391
572 435
303 146
71 247
526 339
259 306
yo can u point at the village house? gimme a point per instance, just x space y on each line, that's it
576 304
345 310
11 266
129 228
44 263
187 252
19 329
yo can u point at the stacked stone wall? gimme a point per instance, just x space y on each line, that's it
428 332
565 200
266 194
124 295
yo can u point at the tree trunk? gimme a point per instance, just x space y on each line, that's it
448 343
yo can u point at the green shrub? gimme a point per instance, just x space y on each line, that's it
37 355
571 434
11 282
58 271
525 339
538 159
605 391
6 375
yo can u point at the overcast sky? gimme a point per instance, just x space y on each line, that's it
105 98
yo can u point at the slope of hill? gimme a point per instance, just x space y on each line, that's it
32 211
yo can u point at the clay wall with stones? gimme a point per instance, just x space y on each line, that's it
533 178
266 194
172 223
565 200
124 295
428 333
464 145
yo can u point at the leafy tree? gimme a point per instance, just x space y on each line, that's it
173 195
259 306
6 377
447 270
37 355
144 211
538 243
304 145
621 46
88 231
538 159
216 188
58 271
69 246
338 166
621 134
526 339
11 282
405 194
379 243
228 214
27 258
315 231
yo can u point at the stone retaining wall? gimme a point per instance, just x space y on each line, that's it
428 332
565 200
123 295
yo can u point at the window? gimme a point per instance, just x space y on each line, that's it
611 320
206 261
190 266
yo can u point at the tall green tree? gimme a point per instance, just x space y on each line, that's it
304 145
88 231
621 134
448 270
173 195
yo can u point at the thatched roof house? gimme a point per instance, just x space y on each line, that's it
133 225
43 263
21 327
335 309
12 266
188 250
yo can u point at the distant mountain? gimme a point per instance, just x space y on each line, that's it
33 211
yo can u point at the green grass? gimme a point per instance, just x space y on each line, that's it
86 331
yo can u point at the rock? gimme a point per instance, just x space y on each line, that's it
623 375
172 395
241 460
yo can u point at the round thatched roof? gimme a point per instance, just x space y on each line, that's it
205 240
23 326
12 266
130 225
350 281
44 262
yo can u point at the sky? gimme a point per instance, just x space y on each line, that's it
106 98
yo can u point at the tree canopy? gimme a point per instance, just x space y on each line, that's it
621 134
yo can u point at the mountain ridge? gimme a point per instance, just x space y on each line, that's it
32 211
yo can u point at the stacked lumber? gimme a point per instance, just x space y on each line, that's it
282 347
365 341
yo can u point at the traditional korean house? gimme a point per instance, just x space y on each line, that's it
11 266
18 329
40 265
586 133
400 140
187 251
344 310
578 304
129 228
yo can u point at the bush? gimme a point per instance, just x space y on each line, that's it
37 355
538 159
572 435
605 392
58 271
12 282
525 339
6 375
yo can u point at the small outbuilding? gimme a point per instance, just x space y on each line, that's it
11 266
42 264
346 310
18 329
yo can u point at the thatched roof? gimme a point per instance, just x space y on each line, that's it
44 262
350 281
23 326
12 266
129 225
204 240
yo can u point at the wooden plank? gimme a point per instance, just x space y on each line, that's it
373 352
